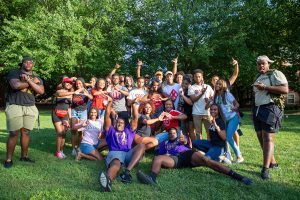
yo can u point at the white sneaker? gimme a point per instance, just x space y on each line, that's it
62 153
59 155
239 159
74 152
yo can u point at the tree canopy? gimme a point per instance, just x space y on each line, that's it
86 38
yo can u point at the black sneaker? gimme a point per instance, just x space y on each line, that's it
105 182
8 164
145 178
26 159
265 174
247 181
125 177
274 166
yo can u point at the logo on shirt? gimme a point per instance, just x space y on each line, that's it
121 138
174 94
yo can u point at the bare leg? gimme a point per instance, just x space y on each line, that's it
24 142
162 161
260 139
113 169
150 142
59 128
73 132
268 148
11 144
138 152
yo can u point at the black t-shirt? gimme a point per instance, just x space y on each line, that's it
18 97
216 140
63 103
79 102
143 128
188 109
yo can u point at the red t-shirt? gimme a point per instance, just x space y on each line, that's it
99 101
173 123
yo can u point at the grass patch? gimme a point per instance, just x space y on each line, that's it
50 178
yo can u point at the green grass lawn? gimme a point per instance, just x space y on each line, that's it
51 178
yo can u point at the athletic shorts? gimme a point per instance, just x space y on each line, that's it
267 118
18 117
55 118
123 156
184 159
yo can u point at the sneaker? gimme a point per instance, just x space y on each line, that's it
265 174
274 166
239 159
226 161
125 177
59 155
74 152
62 153
145 178
247 181
105 182
26 159
8 164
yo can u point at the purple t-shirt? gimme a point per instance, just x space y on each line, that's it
172 148
119 141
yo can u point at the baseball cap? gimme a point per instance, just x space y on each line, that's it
265 58
168 72
67 80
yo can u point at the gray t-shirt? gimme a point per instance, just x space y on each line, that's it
262 96
119 103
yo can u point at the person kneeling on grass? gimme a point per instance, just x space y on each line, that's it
90 142
175 154
119 140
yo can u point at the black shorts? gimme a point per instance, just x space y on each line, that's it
267 118
184 159
55 118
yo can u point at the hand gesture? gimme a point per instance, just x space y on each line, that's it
234 62
203 90
182 139
85 123
139 62
117 66
181 92
175 60
161 117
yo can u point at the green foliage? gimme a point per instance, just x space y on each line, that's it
85 38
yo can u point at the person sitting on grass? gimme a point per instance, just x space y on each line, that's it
90 143
119 139
175 153
214 148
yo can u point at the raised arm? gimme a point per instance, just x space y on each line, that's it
113 71
138 69
174 61
107 120
134 120
235 72
63 93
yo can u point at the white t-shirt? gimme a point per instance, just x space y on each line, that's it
199 106
262 96
91 132
136 93
173 91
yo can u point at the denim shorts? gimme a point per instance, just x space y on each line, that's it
79 114
123 156
88 148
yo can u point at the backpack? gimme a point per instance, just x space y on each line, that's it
278 99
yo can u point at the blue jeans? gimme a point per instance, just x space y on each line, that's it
164 136
211 151
232 125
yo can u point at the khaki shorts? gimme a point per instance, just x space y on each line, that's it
18 117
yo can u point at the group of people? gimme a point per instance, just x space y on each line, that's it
129 118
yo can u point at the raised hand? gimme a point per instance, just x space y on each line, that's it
139 62
175 60
234 62
117 66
